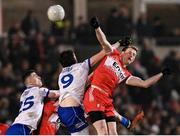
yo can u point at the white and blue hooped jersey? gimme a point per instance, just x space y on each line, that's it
72 80
31 106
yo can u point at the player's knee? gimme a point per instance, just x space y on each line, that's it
101 127
102 131
112 132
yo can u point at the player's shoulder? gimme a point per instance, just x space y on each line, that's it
115 51
74 66
43 89
29 90
34 89
80 64
67 69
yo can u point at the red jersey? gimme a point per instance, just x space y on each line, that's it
3 128
110 72
46 126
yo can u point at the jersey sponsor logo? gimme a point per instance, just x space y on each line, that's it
119 71
114 66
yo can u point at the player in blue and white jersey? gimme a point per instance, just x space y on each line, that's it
72 81
31 105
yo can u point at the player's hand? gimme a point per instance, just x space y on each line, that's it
166 71
94 22
125 41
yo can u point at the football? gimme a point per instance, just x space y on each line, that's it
55 13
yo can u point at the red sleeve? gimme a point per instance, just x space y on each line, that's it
128 75
3 128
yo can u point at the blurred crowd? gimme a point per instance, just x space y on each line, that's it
27 47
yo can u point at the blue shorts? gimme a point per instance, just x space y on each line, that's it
18 129
73 118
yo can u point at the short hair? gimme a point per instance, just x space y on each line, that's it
130 46
27 74
66 58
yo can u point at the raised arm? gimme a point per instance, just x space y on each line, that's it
94 22
97 57
107 47
136 81
103 41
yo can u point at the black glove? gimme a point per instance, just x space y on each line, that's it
166 71
94 22
125 42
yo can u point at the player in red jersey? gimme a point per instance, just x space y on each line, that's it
112 71
49 121
3 128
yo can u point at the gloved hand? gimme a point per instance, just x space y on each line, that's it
94 22
125 42
166 71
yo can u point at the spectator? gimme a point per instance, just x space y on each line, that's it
112 23
143 27
147 53
29 23
82 31
124 22
158 27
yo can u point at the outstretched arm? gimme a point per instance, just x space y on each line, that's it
107 47
103 41
136 81
94 22
97 57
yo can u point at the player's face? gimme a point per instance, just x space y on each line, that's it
129 56
35 79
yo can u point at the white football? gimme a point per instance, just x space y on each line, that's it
56 13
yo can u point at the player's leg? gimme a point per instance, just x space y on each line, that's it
73 118
94 102
18 129
111 123
110 119
99 122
